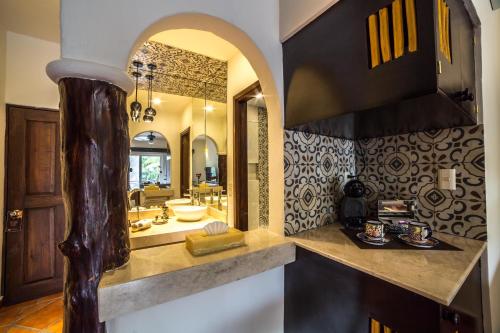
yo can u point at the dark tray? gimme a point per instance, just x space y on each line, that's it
396 244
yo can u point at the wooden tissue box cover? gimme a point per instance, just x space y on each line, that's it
200 243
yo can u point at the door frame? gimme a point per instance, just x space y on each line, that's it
8 111
240 152
185 132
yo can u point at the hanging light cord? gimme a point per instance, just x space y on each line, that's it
136 81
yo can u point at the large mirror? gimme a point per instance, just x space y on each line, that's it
180 158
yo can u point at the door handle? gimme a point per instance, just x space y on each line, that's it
14 220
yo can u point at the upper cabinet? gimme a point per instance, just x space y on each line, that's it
382 67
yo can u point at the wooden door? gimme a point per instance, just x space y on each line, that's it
240 152
33 263
185 160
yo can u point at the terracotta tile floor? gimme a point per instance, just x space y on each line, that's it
40 315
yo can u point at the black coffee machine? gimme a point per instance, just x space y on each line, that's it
353 209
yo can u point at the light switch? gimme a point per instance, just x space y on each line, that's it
447 179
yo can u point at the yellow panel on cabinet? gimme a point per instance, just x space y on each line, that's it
397 28
385 42
374 43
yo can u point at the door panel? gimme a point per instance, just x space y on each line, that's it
185 160
33 264
38 248
40 157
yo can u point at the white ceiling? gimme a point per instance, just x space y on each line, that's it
172 103
36 18
198 41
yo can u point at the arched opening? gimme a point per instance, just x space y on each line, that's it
270 90
205 160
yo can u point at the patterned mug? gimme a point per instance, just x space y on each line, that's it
419 231
374 230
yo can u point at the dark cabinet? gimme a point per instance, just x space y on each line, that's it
381 67
324 296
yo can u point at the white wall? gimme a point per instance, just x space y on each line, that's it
490 41
295 14
27 83
222 309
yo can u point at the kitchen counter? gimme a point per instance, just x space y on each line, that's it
160 234
161 274
437 275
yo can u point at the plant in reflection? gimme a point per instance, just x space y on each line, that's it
150 167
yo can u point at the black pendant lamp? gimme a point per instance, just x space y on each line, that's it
150 113
135 106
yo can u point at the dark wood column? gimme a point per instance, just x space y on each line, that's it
95 149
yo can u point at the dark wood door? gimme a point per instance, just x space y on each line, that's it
33 263
240 151
185 158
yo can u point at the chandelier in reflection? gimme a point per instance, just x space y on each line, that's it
135 106
150 112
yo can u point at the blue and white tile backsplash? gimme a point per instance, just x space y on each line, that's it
401 166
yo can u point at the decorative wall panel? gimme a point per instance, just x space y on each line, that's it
263 168
403 166
182 72
316 169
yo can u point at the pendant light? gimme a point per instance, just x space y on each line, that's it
135 106
150 113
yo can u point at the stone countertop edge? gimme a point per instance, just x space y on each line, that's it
161 274
441 274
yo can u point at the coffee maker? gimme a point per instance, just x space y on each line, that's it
353 209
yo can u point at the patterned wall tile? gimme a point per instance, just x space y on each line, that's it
411 172
316 169
402 166
263 167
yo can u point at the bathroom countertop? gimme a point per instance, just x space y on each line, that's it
161 274
172 232
437 275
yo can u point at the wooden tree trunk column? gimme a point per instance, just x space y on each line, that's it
95 150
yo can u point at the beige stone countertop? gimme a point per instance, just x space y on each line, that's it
161 234
161 274
437 275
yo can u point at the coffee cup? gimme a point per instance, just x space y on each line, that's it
374 230
419 231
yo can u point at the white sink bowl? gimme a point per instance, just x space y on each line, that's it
189 213
178 202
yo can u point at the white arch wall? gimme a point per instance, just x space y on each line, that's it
104 32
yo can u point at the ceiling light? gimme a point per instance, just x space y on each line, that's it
209 108
135 106
259 96
156 101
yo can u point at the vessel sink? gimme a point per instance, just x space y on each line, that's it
178 202
189 213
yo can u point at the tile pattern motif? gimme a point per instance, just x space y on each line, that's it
263 168
44 315
316 169
403 166
182 72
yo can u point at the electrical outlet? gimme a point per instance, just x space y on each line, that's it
447 179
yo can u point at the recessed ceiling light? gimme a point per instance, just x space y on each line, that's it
209 108
156 101
259 96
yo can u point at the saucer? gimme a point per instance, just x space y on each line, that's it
362 237
427 244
